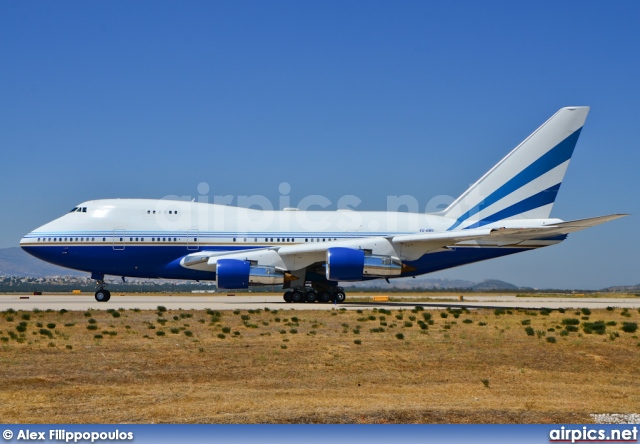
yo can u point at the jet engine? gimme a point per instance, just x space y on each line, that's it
348 264
234 274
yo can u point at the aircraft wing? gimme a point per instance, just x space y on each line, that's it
405 246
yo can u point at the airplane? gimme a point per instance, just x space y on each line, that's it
309 253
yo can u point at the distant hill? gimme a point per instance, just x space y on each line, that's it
494 284
623 289
15 262
425 283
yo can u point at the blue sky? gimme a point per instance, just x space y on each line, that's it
374 99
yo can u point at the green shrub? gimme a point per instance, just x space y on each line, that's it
629 327
51 325
92 321
597 327
357 341
115 314
585 311
221 336
526 322
444 314
551 339
530 331
468 321
426 316
188 333
408 324
175 331
92 327
573 328
564 333
226 329
160 333
161 308
400 336
26 316
499 311
45 332
97 336
482 324
570 321
21 327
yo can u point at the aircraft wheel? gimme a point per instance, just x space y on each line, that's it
296 296
324 297
310 296
287 296
102 295
339 297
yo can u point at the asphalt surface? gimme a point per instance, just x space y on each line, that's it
245 302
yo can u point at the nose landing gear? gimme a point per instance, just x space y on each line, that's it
101 295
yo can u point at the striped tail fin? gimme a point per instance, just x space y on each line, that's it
525 183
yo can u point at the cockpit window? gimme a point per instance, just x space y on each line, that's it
74 209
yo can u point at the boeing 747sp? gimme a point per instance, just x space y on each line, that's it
309 252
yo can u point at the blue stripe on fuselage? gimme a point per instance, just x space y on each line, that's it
536 201
164 261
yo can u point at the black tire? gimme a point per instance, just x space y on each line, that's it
102 295
287 297
324 297
296 296
310 296
339 297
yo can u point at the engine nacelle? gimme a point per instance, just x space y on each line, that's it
348 264
233 274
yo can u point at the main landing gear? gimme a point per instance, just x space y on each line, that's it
308 294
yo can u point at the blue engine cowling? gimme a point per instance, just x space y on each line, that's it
232 273
348 264
345 264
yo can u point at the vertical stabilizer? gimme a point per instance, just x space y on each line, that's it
525 183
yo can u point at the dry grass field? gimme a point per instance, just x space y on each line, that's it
340 366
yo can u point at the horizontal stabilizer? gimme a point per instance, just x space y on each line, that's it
555 229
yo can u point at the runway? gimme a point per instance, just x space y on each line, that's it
28 302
